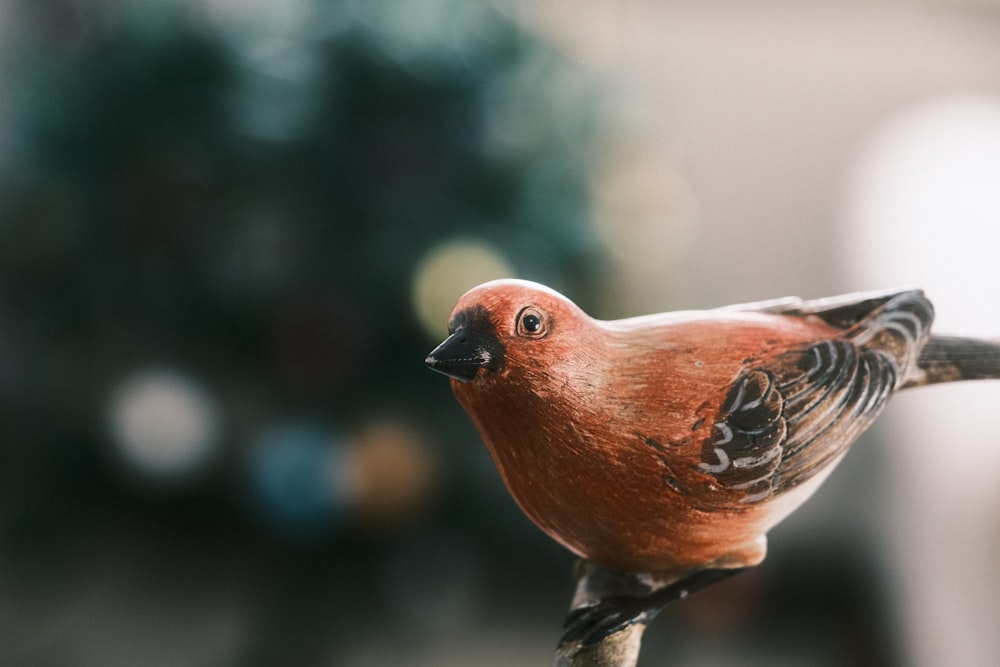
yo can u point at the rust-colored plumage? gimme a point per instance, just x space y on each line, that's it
674 442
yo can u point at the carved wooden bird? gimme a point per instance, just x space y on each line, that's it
673 442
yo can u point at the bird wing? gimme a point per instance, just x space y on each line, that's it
787 417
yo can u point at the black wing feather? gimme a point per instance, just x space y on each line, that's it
787 418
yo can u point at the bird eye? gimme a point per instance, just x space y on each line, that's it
530 323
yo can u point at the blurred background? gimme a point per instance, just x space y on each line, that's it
231 230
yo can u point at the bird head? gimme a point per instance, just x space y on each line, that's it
503 324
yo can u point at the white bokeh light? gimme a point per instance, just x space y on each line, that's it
924 209
163 423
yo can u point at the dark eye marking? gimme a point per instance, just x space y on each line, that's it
475 317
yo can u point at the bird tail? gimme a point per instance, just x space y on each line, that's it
954 358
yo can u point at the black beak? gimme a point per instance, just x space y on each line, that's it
463 353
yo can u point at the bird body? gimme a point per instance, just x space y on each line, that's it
674 442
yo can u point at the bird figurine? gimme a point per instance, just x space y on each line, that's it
668 445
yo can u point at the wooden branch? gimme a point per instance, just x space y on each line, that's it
618 649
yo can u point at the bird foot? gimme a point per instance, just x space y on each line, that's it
611 609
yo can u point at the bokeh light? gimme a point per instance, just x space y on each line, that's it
393 473
165 425
927 186
924 209
449 270
645 212
301 479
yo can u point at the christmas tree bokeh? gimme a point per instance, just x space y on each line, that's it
224 254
